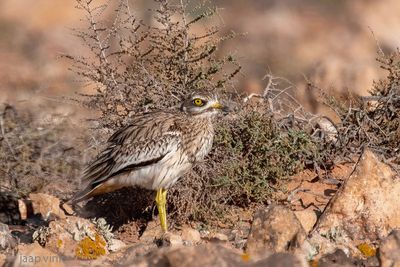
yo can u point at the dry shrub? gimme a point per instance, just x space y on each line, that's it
372 121
34 155
136 67
251 159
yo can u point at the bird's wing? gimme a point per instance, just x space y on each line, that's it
130 156
144 142
145 127
125 157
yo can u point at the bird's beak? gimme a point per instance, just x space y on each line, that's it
218 105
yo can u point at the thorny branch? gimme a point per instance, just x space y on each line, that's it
149 66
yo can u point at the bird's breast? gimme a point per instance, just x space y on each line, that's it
199 144
205 146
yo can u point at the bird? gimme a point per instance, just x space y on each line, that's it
154 150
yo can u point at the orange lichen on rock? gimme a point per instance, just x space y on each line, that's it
89 249
59 243
313 263
245 257
367 250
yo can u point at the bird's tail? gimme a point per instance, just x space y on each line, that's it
93 190
82 195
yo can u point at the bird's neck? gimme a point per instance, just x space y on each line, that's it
204 115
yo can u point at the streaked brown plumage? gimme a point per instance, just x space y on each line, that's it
154 151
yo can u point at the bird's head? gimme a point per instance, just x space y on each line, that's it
202 103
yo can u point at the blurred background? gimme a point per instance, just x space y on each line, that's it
332 43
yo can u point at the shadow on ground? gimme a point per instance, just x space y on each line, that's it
120 207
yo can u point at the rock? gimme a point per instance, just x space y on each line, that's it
116 245
23 208
152 231
281 259
217 237
46 205
3 260
307 218
274 229
336 259
35 255
193 256
339 259
190 235
137 251
203 256
154 234
67 209
367 206
210 255
325 129
220 237
389 251
172 240
7 241
76 238
317 245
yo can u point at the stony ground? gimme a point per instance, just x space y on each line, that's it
348 219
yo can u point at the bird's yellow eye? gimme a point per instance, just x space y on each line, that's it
198 102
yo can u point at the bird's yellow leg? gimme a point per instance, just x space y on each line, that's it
161 201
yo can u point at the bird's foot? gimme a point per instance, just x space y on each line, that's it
161 201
